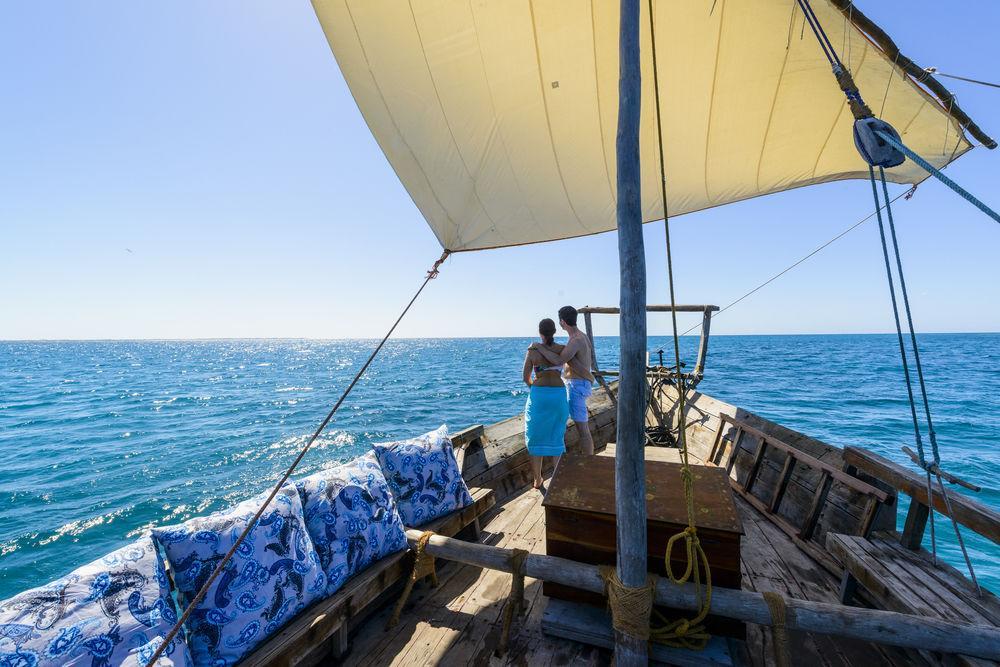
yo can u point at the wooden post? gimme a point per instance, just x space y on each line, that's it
699 365
630 478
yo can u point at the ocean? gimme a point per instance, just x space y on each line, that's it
101 440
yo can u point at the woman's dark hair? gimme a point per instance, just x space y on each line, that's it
547 328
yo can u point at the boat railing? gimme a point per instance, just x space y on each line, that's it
963 509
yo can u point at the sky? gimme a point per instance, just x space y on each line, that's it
200 170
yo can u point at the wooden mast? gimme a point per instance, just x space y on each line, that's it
630 478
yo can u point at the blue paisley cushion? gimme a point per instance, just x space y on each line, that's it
114 611
424 476
351 517
273 574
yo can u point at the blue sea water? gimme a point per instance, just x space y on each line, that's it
101 440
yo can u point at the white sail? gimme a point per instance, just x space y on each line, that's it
499 116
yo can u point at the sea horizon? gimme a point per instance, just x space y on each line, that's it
102 439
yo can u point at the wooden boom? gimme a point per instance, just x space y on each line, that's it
883 627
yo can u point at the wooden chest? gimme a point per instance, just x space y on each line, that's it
580 523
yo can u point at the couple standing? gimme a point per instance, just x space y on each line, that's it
560 381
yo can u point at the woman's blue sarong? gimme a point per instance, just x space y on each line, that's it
545 416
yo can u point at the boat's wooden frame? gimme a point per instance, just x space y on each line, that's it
494 458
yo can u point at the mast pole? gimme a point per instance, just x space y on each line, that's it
630 478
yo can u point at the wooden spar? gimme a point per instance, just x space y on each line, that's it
630 478
883 627
884 42
652 308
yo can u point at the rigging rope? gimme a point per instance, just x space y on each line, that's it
934 70
937 173
431 275
872 138
688 633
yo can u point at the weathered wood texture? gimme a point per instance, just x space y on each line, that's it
592 625
844 508
879 626
319 632
967 511
651 308
908 582
459 622
580 523
632 395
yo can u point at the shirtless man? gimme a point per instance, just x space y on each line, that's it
579 380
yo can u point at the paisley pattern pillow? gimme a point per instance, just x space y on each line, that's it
351 517
273 574
114 611
424 476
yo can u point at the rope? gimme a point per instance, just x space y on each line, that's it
936 173
934 70
423 565
515 601
688 633
288 473
928 466
630 607
779 613
796 263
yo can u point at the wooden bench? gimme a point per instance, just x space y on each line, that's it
893 569
907 581
725 451
323 629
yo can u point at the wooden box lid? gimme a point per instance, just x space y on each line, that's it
587 484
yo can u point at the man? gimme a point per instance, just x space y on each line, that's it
577 356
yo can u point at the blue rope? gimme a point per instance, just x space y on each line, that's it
909 321
936 173
899 326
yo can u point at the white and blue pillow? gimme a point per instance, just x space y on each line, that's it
351 516
424 476
114 611
272 576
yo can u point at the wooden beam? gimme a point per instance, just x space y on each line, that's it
914 525
630 478
873 625
967 511
699 364
652 308
811 461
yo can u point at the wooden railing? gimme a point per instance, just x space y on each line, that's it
794 457
965 510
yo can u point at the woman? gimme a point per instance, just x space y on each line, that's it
547 409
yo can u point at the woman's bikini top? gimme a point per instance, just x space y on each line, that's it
540 369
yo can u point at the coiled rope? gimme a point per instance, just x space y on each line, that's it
687 633
431 275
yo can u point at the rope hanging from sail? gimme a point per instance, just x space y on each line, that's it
880 146
431 275
687 633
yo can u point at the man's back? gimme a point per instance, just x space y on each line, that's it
579 364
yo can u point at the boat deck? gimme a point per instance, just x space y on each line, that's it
459 622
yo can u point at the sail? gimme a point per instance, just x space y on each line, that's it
499 116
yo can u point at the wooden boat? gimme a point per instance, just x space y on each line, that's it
496 117
819 525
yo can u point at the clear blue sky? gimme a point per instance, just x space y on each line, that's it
199 169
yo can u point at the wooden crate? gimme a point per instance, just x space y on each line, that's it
580 523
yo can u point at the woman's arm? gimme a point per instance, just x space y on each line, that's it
526 371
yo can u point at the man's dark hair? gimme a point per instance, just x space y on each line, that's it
568 315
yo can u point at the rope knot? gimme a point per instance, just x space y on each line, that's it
423 565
